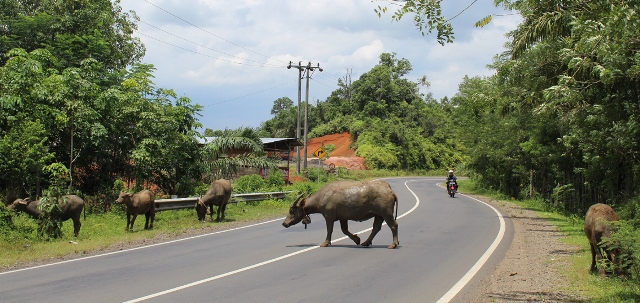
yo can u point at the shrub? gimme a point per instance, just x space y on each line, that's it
248 184
275 180
625 238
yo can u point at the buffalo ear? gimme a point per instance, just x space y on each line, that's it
302 202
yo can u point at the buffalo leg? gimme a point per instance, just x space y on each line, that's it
393 224
133 220
211 212
76 226
146 220
218 211
224 208
152 217
344 225
377 225
593 257
327 241
128 222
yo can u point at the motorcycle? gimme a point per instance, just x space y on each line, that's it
451 188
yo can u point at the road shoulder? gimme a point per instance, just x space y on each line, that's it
531 270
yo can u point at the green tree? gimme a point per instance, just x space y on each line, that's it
219 161
281 104
72 30
25 153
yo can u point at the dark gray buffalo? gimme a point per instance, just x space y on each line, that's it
70 208
218 194
349 200
139 203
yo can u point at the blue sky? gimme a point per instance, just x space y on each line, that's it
231 56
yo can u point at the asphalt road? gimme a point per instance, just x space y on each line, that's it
446 246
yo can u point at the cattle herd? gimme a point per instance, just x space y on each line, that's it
337 201
71 206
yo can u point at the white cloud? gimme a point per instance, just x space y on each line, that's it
337 34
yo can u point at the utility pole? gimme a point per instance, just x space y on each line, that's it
300 69
306 109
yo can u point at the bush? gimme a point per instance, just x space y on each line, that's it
275 180
248 184
625 238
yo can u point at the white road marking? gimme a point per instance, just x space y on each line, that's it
137 248
151 296
476 267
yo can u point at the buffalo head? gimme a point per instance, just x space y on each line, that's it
202 210
297 214
124 197
19 204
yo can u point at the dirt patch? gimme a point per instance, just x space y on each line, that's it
342 155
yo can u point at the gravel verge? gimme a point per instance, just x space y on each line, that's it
531 271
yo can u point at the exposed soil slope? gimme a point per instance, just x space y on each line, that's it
342 155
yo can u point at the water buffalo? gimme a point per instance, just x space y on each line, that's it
218 194
71 207
349 200
597 224
139 203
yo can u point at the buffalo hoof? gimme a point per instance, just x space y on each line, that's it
366 244
392 246
356 239
325 244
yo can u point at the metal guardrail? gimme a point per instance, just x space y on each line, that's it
181 203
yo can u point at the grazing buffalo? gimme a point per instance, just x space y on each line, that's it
71 207
597 225
349 200
218 194
139 203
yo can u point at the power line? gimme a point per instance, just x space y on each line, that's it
183 20
460 13
243 96
217 58
215 50
327 77
321 83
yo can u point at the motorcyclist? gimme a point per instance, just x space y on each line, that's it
451 177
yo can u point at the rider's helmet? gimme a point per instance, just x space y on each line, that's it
450 172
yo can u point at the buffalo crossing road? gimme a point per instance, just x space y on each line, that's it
446 246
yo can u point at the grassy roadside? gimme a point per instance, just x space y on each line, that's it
105 232
579 279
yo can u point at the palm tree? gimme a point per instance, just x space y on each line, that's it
247 148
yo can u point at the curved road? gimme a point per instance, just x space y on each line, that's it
446 246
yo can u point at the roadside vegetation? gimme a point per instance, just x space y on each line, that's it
579 278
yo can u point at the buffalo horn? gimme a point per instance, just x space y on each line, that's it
298 199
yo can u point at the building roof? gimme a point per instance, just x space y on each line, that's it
268 143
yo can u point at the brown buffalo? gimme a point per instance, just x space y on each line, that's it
349 200
597 225
71 207
218 194
139 203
